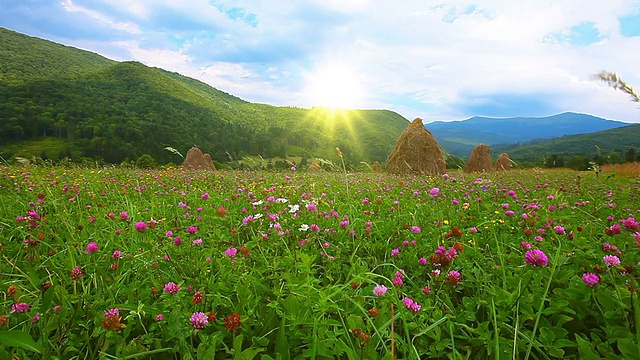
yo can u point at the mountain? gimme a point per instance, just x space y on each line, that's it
459 137
591 145
90 106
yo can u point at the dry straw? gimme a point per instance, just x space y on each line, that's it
503 163
197 160
416 152
480 159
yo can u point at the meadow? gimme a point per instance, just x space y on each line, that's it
119 263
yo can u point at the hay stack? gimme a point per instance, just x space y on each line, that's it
196 160
377 168
480 159
503 163
416 152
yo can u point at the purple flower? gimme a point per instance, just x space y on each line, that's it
415 229
199 320
231 252
171 288
35 318
159 317
410 304
124 216
434 192
380 290
422 261
536 257
395 252
197 242
397 281
192 229
20 307
117 254
559 230
611 260
141 226
92 247
590 279
112 312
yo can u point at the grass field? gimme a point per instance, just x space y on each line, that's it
165 264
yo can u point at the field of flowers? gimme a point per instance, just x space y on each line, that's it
165 264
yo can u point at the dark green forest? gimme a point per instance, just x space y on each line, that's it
118 111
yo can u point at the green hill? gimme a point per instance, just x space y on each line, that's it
98 108
591 145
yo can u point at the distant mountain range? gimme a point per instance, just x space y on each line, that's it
460 137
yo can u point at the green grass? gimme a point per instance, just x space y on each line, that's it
120 263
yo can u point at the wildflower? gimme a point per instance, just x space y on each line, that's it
422 261
124 216
57 308
141 226
590 279
35 318
536 257
380 290
312 207
204 196
76 273
630 223
232 322
434 192
426 290
12 290
374 312
197 298
199 320
611 260
612 230
4 320
395 252
92 247
117 254
111 320
525 245
159 317
211 316
221 211
231 252
177 241
192 229
397 281
453 277
416 229
304 227
559 230
410 304
20 308
197 242
171 288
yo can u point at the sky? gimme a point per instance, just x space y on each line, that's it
429 59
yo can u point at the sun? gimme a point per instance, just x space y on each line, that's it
334 86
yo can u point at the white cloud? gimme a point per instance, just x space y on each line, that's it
421 58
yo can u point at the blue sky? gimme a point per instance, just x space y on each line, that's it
430 59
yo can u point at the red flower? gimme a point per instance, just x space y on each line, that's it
232 322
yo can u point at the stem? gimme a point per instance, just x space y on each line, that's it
393 342
544 298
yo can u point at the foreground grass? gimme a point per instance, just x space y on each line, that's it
118 263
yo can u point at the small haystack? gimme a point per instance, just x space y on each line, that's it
503 163
314 167
377 168
480 159
196 160
416 152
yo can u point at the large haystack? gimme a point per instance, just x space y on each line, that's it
416 152
197 160
503 163
480 159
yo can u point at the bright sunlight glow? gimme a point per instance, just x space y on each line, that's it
334 87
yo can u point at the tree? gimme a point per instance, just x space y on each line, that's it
145 161
630 156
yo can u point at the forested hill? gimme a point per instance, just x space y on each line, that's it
98 108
